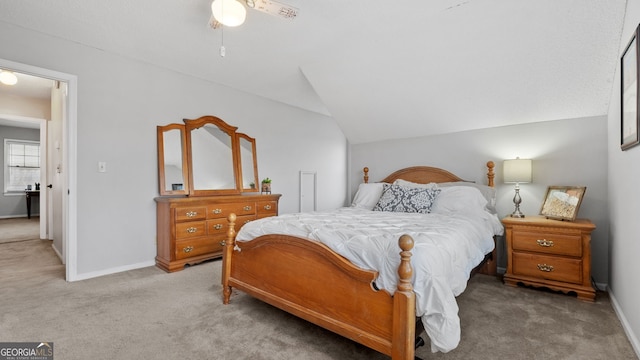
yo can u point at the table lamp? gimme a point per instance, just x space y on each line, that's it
517 171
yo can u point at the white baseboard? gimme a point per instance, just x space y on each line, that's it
633 339
110 271
58 253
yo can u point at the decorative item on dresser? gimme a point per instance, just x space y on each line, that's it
550 253
206 171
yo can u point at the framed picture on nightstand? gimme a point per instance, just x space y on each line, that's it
562 202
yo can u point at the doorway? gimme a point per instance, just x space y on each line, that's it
61 169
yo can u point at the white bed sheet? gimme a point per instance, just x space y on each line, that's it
447 247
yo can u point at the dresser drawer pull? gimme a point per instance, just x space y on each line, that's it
187 249
191 214
545 267
247 208
267 207
217 211
192 229
545 242
218 226
247 221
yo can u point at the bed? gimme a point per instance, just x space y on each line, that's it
314 279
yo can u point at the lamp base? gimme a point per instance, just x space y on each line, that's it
516 201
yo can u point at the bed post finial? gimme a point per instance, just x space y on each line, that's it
405 271
490 173
366 175
404 306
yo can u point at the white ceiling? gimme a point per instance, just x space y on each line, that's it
382 69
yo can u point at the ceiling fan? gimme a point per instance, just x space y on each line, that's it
233 12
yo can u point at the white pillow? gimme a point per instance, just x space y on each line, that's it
406 183
367 196
459 199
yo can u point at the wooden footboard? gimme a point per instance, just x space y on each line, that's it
309 280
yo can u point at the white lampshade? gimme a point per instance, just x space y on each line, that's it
517 171
228 12
8 78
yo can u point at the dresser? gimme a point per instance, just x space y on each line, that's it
190 229
550 253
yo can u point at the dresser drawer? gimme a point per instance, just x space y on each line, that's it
191 229
547 267
221 226
548 243
267 208
194 247
223 210
191 213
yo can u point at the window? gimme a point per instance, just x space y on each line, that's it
21 164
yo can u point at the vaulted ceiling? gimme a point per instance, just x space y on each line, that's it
382 69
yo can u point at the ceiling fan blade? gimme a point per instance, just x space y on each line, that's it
275 8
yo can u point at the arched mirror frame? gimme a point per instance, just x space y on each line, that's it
194 124
186 155
254 161
162 130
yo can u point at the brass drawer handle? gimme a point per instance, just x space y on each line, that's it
218 226
267 207
223 243
545 242
192 229
247 221
191 214
545 267
188 249
247 208
217 211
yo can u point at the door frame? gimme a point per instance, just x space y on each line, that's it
70 156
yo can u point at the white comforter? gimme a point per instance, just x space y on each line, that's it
447 247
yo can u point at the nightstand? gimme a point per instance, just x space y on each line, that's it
550 253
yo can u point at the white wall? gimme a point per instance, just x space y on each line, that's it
120 103
25 106
624 203
566 152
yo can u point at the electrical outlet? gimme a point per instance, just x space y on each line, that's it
102 166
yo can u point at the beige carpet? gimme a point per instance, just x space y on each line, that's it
19 229
149 314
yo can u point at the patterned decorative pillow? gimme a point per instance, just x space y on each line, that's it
396 198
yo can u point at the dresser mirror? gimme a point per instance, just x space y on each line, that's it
172 160
205 157
248 162
212 156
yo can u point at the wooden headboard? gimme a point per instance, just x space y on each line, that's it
428 174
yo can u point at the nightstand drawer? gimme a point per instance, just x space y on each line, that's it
548 243
547 267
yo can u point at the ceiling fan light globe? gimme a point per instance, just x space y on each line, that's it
228 12
8 78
